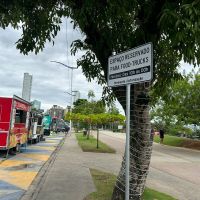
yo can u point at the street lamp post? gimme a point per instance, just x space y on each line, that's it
72 68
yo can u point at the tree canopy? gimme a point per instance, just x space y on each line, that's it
91 95
112 109
181 105
112 26
85 107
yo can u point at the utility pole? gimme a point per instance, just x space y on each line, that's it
72 68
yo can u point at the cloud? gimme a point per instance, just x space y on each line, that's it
50 80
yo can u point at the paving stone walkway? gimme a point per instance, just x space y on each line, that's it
18 171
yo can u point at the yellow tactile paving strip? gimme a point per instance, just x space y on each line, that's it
22 179
43 147
52 142
3 175
19 178
20 170
37 157
13 163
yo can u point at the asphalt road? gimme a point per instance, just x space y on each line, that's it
175 171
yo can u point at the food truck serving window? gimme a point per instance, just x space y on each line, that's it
20 116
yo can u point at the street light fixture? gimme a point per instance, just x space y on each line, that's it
72 68
70 94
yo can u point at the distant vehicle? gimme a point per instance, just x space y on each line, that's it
46 123
14 120
67 128
58 125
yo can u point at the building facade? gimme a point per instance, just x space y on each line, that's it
27 86
36 105
56 111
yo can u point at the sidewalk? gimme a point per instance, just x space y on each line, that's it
66 177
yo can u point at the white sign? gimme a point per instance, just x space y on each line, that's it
120 127
132 66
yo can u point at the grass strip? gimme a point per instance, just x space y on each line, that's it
170 140
179 142
150 194
90 145
105 182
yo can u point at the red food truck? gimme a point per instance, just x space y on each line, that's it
14 119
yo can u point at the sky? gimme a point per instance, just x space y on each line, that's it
50 80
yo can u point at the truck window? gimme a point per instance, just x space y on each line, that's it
39 120
20 116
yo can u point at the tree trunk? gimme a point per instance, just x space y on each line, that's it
88 133
140 142
97 138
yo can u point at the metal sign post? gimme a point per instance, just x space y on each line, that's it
128 90
130 67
